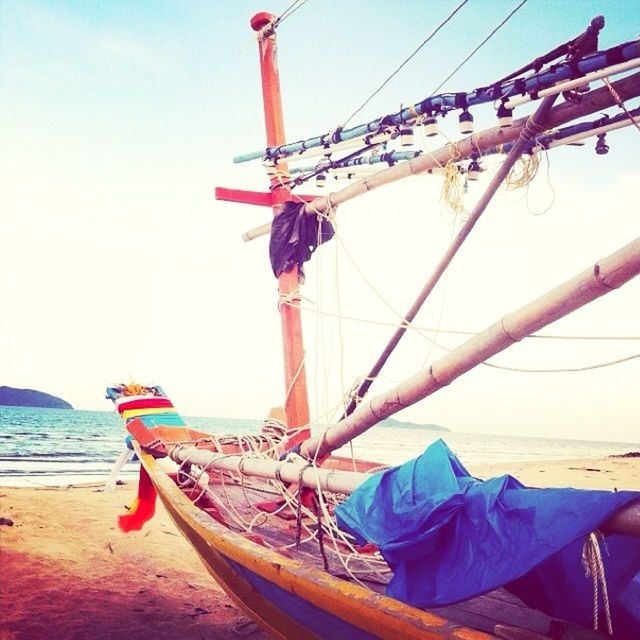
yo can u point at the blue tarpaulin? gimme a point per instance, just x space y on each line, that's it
448 537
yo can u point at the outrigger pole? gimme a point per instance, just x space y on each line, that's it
535 125
605 276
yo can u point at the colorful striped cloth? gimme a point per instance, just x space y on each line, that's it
152 409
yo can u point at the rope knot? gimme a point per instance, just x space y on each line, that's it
292 298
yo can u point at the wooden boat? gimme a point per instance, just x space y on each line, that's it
260 509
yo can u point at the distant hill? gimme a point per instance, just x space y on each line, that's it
391 422
30 398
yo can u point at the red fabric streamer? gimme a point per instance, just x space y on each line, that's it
153 402
143 507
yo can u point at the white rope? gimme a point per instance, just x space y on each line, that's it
594 568
422 44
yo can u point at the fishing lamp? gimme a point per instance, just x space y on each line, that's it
505 116
602 148
406 137
474 170
321 180
466 123
430 127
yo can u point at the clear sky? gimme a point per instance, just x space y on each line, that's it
118 119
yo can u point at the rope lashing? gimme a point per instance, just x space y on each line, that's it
299 503
619 101
594 568
352 394
290 298
328 214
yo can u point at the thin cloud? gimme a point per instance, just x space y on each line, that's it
79 33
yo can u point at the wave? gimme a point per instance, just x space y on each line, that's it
59 467
17 455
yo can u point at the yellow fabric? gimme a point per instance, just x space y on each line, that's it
134 413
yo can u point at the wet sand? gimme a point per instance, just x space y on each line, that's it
67 572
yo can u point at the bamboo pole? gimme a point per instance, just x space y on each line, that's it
591 102
613 70
606 275
290 472
535 124
625 521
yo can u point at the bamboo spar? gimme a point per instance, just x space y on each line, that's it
626 520
606 275
534 125
596 100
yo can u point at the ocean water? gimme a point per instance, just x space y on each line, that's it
56 446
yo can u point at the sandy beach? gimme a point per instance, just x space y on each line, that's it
66 571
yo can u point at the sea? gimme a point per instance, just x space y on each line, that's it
52 447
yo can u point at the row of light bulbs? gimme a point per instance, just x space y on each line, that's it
473 171
465 121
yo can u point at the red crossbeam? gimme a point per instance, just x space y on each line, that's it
260 198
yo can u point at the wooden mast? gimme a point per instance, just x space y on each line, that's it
296 401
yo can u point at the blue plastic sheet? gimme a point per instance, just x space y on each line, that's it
448 537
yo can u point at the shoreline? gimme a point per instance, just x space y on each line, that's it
525 470
68 572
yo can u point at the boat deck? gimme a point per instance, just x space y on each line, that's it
498 613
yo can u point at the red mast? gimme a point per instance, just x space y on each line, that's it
296 402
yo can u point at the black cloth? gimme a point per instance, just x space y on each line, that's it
295 236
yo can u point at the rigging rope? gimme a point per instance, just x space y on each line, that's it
478 47
424 42
600 365
290 10
459 332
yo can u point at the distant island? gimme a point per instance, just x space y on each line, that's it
11 397
391 422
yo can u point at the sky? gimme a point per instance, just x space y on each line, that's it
118 119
